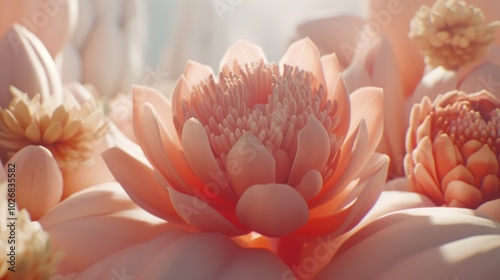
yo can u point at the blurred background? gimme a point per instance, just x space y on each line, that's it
202 30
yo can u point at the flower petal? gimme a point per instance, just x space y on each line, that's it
248 163
196 73
201 159
201 215
141 185
313 150
272 209
331 69
39 182
304 55
240 54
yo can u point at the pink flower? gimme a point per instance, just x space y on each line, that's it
50 20
287 138
453 149
425 243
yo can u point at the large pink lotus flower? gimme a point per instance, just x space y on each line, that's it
273 149
425 243
51 20
453 149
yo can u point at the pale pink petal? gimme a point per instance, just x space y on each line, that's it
201 159
304 55
182 91
491 209
359 73
310 185
31 69
201 215
281 209
331 69
103 216
368 104
433 243
241 54
313 150
248 163
38 180
141 185
437 81
340 95
210 256
143 95
354 204
320 30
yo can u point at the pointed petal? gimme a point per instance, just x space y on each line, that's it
368 104
242 53
331 69
251 163
141 185
272 209
340 95
313 150
304 55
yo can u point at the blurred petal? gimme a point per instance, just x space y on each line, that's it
242 53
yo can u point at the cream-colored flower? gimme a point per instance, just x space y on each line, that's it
451 33
34 258
68 130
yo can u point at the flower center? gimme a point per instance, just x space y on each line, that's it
258 99
69 130
451 33
470 120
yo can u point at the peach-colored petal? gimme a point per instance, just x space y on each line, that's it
38 180
437 81
182 91
340 95
211 256
247 158
310 185
320 30
201 159
304 55
313 149
368 104
51 21
155 198
31 69
357 202
103 216
241 53
491 209
196 73
433 243
281 210
198 213
331 69
143 95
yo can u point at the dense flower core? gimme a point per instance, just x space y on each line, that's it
69 130
272 106
456 149
451 33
